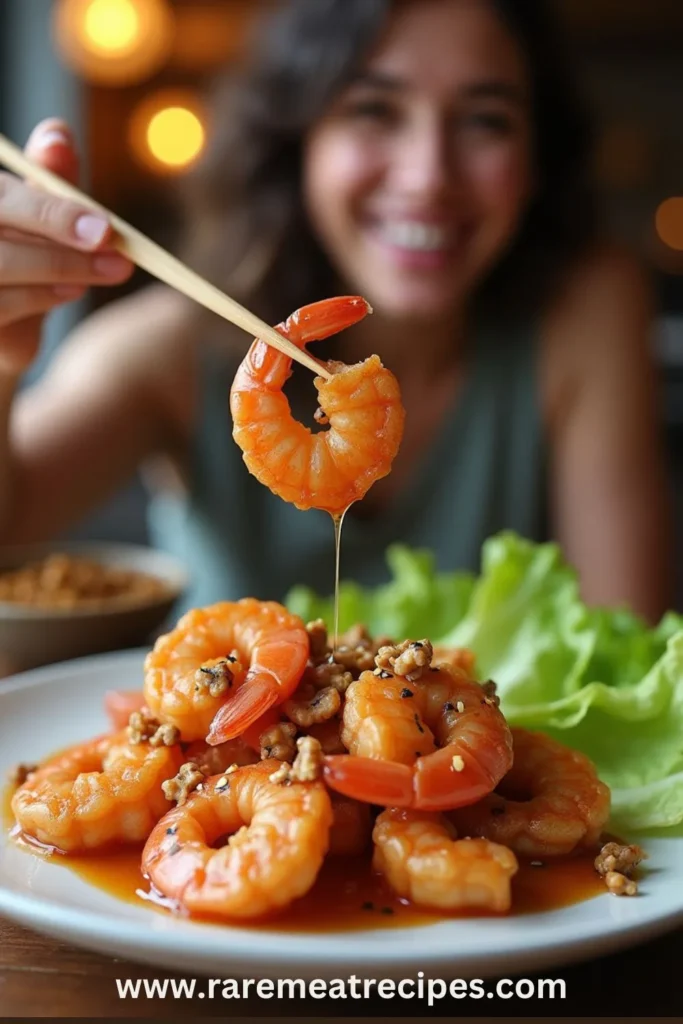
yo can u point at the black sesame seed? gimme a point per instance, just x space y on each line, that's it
448 706
387 910
368 905
417 722
172 831
407 693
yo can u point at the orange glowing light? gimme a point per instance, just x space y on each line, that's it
115 42
669 222
167 131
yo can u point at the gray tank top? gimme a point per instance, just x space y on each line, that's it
484 473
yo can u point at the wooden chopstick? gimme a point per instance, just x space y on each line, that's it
157 261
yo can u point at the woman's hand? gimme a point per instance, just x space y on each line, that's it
51 249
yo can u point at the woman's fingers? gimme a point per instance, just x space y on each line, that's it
30 209
20 303
25 264
51 144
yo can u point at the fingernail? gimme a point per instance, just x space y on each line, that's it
111 266
53 137
68 291
91 229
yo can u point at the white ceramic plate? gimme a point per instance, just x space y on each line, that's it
49 708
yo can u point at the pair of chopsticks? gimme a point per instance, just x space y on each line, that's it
157 261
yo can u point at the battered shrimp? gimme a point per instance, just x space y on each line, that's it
103 792
422 862
551 802
224 667
332 468
433 744
279 835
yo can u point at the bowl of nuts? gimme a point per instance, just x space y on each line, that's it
72 600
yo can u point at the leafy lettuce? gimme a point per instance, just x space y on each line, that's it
600 680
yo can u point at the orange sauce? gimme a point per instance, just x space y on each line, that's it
348 895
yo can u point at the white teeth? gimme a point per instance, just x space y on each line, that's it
409 234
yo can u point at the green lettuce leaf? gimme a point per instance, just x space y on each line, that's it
599 680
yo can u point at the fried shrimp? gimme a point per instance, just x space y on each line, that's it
279 836
551 802
102 792
332 468
423 862
434 744
219 672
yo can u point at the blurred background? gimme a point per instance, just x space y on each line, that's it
130 76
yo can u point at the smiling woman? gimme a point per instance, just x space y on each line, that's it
430 156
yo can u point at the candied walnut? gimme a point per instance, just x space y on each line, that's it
618 858
215 677
317 638
144 728
308 763
619 885
281 775
278 742
20 772
185 782
311 707
409 659
328 673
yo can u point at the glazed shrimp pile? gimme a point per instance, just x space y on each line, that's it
255 750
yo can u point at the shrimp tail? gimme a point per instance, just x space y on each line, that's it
320 320
245 708
385 783
440 781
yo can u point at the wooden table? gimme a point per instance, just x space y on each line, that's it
43 978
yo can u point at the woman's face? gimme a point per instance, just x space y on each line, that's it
416 180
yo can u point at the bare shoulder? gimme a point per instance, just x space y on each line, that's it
600 322
145 339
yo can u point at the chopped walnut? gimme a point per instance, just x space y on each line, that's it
615 857
186 781
215 677
310 707
328 673
409 659
144 728
308 763
278 742
307 766
619 885
281 774
317 638
20 773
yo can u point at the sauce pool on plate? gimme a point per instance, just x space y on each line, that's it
348 895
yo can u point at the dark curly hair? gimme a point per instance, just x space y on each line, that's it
247 228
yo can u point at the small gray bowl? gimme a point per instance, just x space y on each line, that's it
32 636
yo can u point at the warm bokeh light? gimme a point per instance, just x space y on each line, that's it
167 131
175 136
114 42
669 222
112 25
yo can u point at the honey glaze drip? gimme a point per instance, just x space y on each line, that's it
338 522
